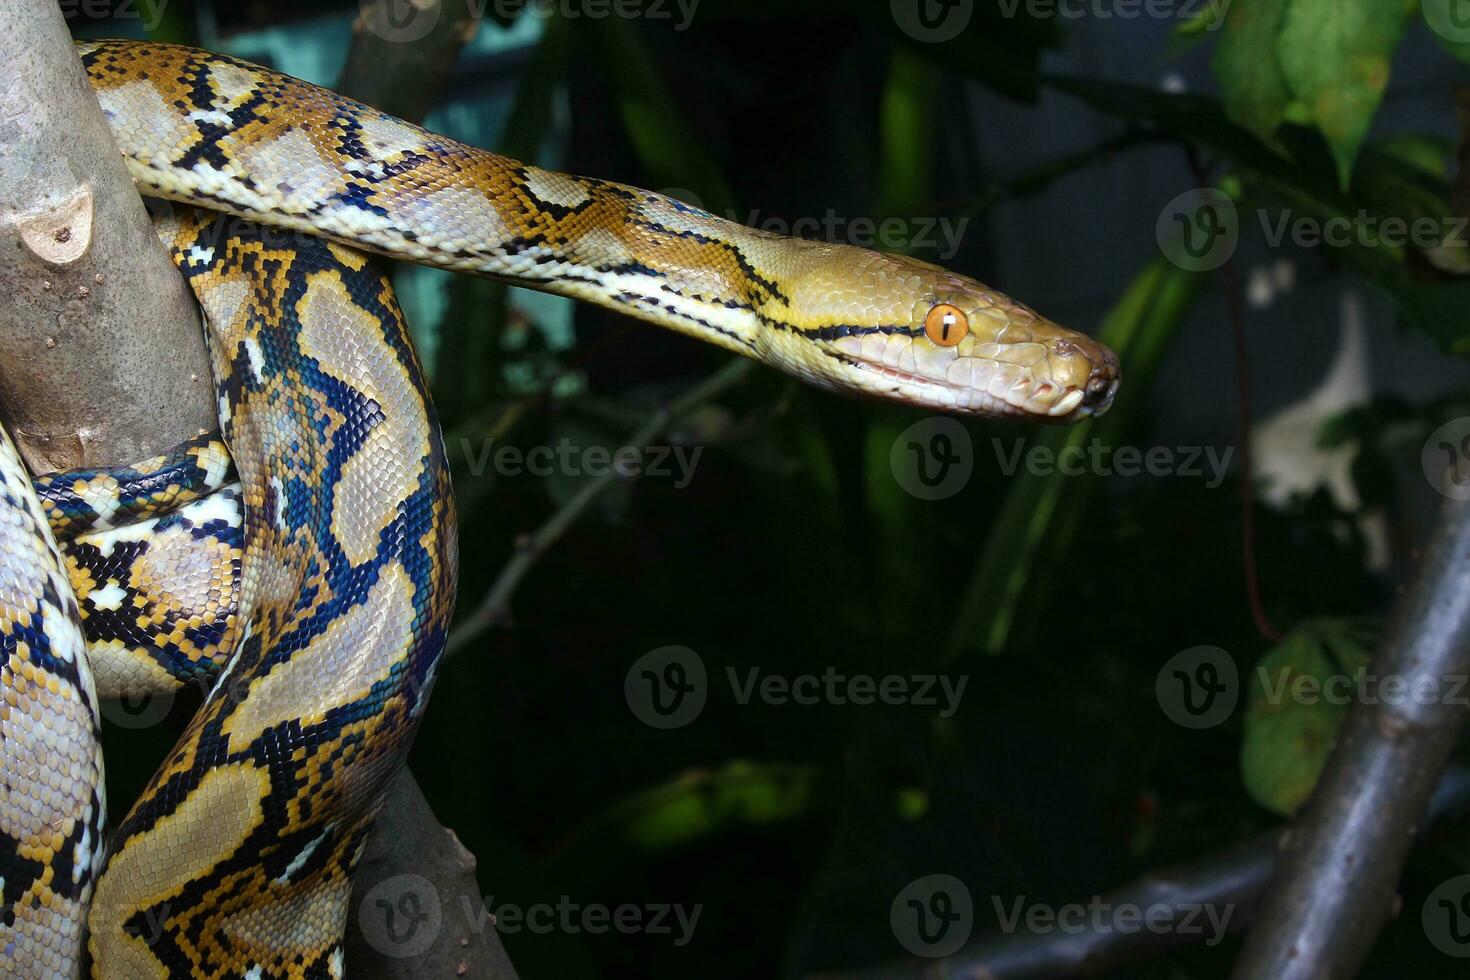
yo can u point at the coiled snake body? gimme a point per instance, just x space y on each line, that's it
315 593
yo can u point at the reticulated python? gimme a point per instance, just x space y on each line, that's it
315 593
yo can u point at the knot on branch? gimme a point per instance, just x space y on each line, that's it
60 235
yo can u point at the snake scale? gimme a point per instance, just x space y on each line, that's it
305 574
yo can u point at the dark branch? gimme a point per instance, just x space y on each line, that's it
1337 885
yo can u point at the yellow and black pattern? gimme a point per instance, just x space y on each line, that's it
158 597
345 594
79 501
51 798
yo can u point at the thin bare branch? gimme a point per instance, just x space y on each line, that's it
495 605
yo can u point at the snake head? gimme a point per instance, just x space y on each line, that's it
899 329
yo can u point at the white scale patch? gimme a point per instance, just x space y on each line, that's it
218 506
555 188
279 491
109 597
256 358
201 256
299 861
215 116
105 541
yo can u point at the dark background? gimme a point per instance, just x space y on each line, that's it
795 547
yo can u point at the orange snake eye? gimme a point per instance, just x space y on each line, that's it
946 325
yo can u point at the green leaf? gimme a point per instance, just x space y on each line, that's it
1301 694
1288 731
1428 152
1252 81
702 802
909 123
1335 55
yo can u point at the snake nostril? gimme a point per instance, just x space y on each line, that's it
1100 389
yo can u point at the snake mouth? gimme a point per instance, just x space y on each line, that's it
997 380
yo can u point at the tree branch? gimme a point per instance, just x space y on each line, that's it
1338 879
1232 883
104 360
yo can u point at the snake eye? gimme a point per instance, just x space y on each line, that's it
946 325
